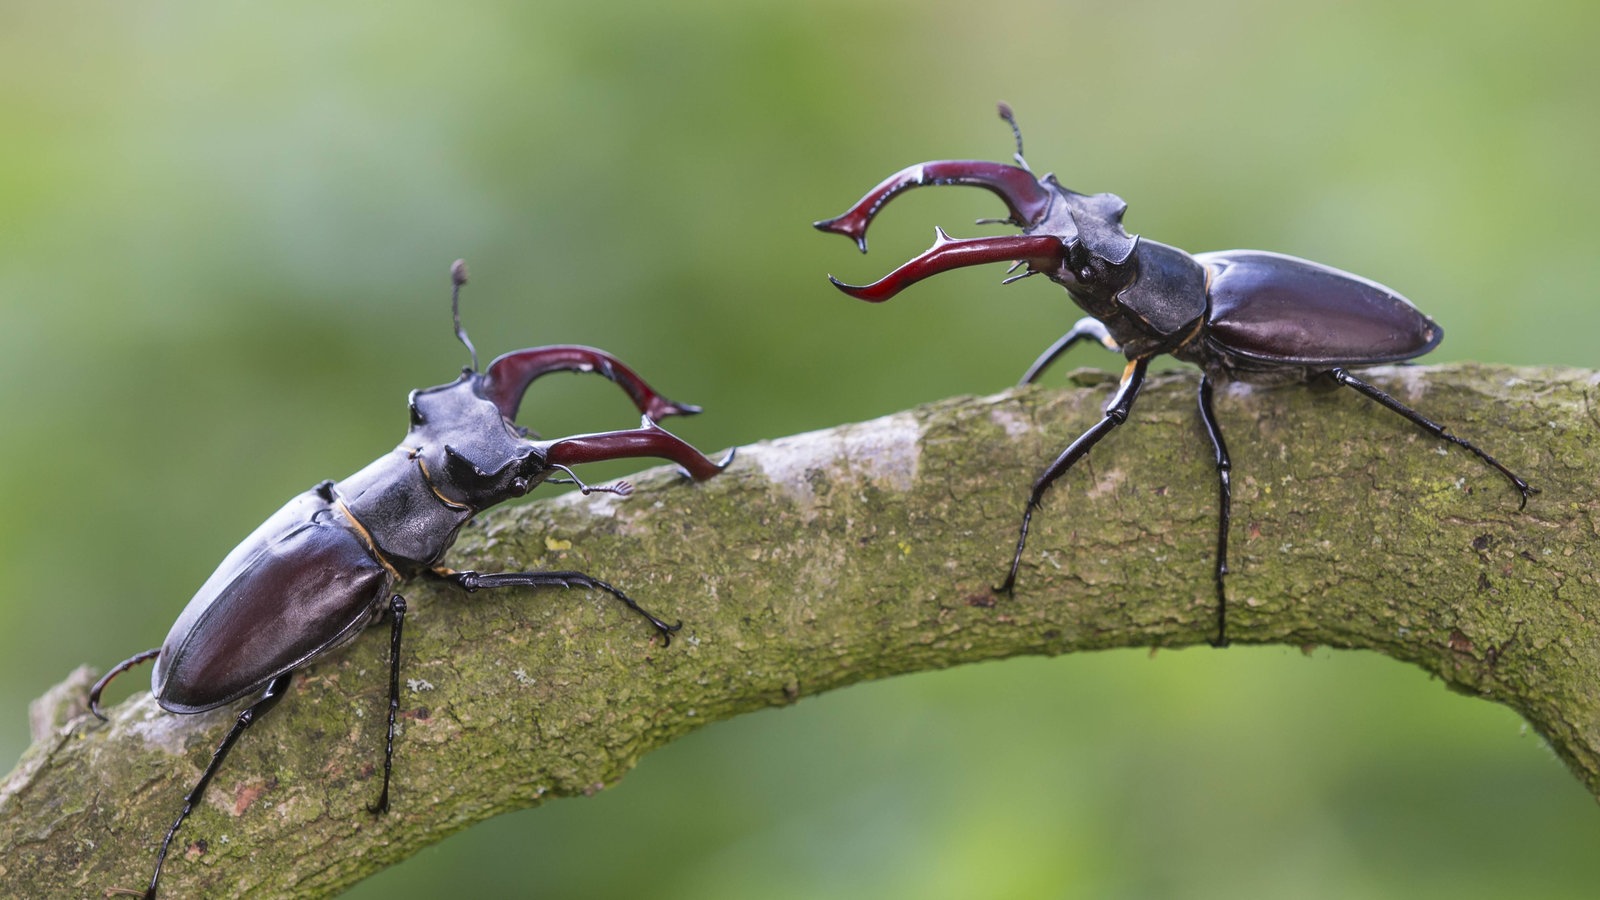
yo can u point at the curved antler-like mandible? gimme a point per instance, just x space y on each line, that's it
508 377
1040 251
649 439
1024 196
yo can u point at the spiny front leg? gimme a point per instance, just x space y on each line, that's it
269 699
1341 376
1116 413
1224 506
397 615
1086 328
474 581
107 678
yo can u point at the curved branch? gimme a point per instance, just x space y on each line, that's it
855 553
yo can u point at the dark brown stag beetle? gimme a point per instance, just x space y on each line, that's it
325 566
1244 315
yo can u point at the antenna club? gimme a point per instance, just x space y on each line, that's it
458 277
1016 132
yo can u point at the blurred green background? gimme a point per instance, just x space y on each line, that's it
224 236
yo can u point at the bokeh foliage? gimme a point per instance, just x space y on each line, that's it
224 233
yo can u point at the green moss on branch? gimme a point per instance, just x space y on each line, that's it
856 553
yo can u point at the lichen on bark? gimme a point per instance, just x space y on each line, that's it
856 553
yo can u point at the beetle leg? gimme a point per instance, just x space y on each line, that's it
649 439
397 614
1020 190
1039 251
508 377
1084 329
1116 413
1341 376
118 669
621 488
473 581
269 699
1224 505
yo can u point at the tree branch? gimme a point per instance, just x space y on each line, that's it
867 550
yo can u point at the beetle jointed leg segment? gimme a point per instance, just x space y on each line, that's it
621 488
118 669
1086 328
269 699
1341 376
397 615
1208 416
1116 413
474 581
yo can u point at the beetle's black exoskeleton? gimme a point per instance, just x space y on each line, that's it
1242 315
325 566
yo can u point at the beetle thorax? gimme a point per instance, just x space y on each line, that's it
1158 301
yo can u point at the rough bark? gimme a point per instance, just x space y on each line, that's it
863 551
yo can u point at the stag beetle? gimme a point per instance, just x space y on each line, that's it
1245 315
324 567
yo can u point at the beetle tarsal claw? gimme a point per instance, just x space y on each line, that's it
621 488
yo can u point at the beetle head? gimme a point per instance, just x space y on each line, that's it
473 455
474 485
1074 239
465 438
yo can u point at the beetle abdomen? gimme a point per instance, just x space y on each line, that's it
1290 311
301 584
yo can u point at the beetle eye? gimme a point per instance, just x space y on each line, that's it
416 414
1078 261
